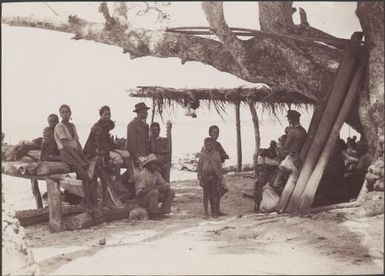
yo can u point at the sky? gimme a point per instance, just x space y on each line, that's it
42 69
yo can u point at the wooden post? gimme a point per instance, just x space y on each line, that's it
254 117
315 178
36 193
169 157
239 142
153 111
336 97
54 205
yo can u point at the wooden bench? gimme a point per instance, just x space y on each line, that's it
54 198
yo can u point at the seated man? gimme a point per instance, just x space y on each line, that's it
152 189
355 179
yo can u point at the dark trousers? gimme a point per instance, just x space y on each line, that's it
151 200
75 160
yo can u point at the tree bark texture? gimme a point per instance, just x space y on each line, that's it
371 101
279 63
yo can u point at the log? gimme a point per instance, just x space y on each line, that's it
239 141
335 100
34 154
86 220
18 168
30 217
74 186
48 168
312 185
54 205
36 193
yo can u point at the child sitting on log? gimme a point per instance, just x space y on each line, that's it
49 150
210 178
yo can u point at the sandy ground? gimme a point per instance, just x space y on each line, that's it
241 243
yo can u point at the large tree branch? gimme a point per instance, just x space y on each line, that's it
262 59
216 19
310 66
141 42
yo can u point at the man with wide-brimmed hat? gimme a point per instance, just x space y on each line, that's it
151 189
138 134
292 162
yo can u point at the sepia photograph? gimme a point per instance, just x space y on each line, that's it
192 138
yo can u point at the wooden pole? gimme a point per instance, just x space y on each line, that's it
153 110
36 193
254 117
312 185
239 142
54 205
330 113
169 157
316 118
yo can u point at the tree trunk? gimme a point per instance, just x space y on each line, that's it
371 101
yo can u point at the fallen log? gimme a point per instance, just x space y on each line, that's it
34 216
86 220
48 168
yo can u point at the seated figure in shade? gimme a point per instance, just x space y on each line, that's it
49 149
152 189
161 148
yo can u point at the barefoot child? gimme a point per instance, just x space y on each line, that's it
210 177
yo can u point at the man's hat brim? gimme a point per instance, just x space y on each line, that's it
136 110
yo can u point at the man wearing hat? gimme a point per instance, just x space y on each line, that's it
138 143
291 163
151 189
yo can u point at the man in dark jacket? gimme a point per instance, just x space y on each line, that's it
291 163
98 147
138 135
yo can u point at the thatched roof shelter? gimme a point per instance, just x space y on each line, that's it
270 99
219 97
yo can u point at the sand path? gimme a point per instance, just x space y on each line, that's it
324 243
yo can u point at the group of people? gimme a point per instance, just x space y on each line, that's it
343 175
345 172
145 158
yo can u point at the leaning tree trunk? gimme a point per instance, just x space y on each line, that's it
371 101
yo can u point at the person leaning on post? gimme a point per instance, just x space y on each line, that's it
291 161
151 189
